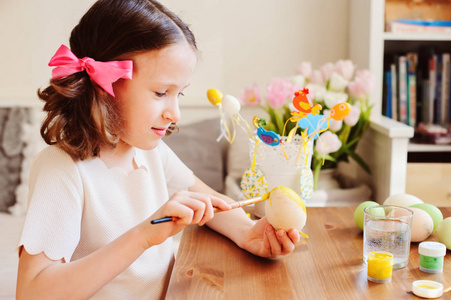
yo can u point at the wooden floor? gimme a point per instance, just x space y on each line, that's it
431 182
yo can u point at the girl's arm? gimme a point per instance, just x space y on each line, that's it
259 238
42 278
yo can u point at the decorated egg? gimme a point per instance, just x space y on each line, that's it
404 200
285 209
444 232
422 225
433 211
340 111
214 96
253 183
231 105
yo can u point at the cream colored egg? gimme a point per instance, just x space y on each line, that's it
285 209
231 105
422 225
404 200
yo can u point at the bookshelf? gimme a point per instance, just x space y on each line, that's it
370 44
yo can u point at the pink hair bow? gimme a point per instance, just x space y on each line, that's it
103 73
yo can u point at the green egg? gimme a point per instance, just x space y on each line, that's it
358 213
433 211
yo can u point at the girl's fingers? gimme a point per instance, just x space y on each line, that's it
276 248
285 241
294 235
219 203
202 206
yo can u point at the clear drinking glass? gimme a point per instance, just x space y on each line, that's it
388 228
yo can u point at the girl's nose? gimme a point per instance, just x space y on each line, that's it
172 112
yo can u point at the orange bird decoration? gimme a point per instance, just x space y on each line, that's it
303 105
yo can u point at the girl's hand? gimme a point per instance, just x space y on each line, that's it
263 240
187 208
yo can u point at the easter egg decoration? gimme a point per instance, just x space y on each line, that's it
404 200
422 225
229 111
433 211
254 183
358 213
266 136
303 105
444 232
231 105
214 96
306 181
340 111
285 209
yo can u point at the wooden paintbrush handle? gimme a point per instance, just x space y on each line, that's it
244 202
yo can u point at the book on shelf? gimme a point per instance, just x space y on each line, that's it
412 61
402 84
388 95
445 88
419 26
432 86
394 92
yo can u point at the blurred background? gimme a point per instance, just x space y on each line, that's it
241 42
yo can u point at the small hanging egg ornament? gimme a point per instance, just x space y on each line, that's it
253 183
214 96
285 209
231 105
340 111
306 183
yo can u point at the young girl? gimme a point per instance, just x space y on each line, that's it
93 192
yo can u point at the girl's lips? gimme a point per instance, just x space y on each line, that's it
159 131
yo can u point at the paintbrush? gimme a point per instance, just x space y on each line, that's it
232 205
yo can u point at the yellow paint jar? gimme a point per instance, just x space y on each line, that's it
380 266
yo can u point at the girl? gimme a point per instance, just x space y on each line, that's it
107 173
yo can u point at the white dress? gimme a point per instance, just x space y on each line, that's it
77 207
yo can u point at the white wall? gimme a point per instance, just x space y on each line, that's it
241 41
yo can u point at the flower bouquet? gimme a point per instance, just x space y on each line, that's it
326 87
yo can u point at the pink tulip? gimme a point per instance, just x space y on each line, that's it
345 68
304 69
327 142
278 90
362 85
353 116
250 95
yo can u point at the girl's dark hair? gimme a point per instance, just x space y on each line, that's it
81 116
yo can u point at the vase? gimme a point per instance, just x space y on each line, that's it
278 168
327 180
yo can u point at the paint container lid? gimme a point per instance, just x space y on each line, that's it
433 249
427 288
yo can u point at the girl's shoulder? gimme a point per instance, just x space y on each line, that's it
55 155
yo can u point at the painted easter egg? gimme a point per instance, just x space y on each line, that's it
285 209
214 96
253 183
306 183
231 105
340 111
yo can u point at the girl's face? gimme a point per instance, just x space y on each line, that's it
149 102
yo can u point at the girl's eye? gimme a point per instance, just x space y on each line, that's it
160 95
181 94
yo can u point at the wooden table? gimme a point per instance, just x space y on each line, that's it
328 265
